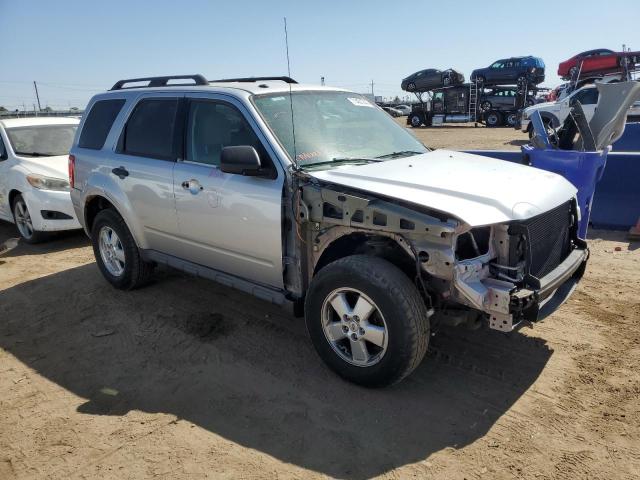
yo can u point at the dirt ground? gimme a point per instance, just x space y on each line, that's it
465 136
187 379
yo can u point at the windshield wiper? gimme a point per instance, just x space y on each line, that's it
35 154
402 153
339 160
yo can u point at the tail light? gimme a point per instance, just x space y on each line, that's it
72 170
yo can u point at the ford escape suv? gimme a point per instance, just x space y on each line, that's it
315 197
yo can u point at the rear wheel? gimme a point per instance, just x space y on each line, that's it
367 320
493 119
486 105
116 252
22 219
411 87
511 119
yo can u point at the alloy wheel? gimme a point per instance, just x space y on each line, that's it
111 251
354 327
23 219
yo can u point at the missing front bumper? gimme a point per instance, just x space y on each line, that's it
537 303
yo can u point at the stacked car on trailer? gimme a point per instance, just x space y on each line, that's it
494 95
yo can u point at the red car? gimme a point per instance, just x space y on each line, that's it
600 60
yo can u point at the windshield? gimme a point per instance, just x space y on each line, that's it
334 126
41 140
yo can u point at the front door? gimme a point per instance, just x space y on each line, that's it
231 223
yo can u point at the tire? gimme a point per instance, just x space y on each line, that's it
522 81
493 119
411 87
511 119
486 105
22 219
135 272
572 71
414 120
398 309
481 80
446 81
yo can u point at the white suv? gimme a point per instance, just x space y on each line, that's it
555 113
34 181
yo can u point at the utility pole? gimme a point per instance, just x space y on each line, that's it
372 90
322 81
35 85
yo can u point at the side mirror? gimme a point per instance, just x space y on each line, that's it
240 160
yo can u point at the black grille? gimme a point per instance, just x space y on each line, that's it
548 239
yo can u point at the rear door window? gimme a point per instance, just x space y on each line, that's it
151 129
99 122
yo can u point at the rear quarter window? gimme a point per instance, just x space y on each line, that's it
99 122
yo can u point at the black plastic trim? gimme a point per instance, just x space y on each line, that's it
161 81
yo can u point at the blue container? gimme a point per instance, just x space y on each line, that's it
582 169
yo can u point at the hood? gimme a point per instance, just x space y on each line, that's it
477 190
56 167
539 106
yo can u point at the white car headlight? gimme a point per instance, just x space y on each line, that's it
48 183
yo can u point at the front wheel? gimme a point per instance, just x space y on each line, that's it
415 120
116 252
22 219
367 320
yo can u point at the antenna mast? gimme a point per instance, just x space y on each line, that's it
293 127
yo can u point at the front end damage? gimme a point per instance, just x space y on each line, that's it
508 273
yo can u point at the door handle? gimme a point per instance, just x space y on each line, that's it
192 185
120 172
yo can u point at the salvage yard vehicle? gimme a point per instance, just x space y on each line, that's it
34 185
555 113
392 111
314 197
430 79
511 71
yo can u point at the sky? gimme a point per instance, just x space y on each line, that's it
76 48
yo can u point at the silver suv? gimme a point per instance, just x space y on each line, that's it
314 197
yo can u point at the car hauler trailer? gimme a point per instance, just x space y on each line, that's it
468 103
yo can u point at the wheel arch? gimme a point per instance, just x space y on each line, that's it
378 244
94 204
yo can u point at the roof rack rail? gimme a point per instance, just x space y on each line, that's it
161 81
254 79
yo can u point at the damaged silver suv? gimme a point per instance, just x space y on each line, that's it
315 197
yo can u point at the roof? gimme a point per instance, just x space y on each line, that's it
32 121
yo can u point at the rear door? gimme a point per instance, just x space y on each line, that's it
231 223
143 164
